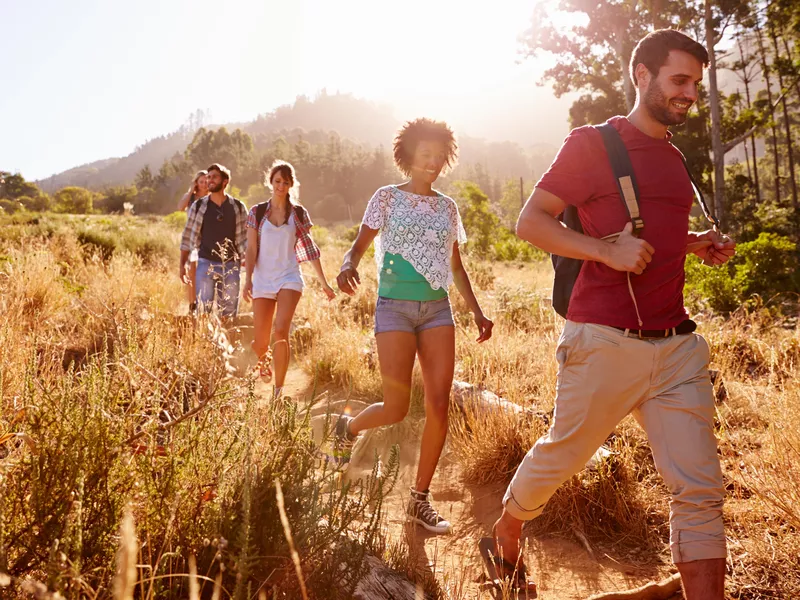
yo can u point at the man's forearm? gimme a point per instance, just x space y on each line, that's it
547 233
184 258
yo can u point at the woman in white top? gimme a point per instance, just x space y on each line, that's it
418 258
278 240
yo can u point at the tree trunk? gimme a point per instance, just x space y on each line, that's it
765 70
786 123
746 80
716 135
789 56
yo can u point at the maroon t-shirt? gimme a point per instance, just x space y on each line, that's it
581 175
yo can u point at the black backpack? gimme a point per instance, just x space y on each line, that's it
568 269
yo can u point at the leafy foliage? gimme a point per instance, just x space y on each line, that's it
765 268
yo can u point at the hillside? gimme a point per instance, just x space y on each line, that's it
313 120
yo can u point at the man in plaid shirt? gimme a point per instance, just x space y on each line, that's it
216 228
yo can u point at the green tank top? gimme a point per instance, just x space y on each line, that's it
400 281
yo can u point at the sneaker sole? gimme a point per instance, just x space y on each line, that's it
432 528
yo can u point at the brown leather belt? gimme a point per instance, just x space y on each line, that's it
687 326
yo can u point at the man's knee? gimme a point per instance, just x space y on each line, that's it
697 531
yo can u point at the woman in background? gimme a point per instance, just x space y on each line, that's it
278 240
197 190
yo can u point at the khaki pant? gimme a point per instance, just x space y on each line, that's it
602 377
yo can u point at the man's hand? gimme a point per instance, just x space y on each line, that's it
348 280
184 274
713 247
628 253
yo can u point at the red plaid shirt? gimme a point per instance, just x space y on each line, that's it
304 248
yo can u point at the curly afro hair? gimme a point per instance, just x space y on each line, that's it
419 130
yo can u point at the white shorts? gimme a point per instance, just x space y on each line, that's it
273 295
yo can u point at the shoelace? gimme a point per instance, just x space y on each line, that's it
426 511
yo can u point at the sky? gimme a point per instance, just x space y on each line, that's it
92 79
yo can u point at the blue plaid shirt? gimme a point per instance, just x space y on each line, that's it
194 224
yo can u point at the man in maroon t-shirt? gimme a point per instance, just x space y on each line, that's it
627 345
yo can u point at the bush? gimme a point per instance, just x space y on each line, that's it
766 267
513 248
10 206
40 203
76 200
97 240
176 219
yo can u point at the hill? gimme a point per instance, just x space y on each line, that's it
362 122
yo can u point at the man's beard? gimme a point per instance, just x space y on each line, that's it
216 188
658 105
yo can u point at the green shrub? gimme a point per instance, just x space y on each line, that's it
73 199
10 206
765 267
176 219
149 247
351 233
511 247
97 240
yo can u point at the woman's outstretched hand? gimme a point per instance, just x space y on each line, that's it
348 280
484 327
328 291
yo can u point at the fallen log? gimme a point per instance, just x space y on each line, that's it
480 402
382 583
666 589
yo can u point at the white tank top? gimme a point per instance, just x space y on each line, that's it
277 262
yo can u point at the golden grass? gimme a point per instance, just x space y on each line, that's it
622 508
110 322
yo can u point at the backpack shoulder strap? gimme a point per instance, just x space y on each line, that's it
699 196
623 173
261 210
300 213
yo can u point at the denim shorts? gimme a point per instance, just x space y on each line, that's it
411 316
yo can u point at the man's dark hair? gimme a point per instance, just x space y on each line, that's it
654 48
224 171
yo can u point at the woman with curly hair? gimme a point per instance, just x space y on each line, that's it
417 231
278 240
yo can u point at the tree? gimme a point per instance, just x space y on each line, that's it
144 178
76 200
113 199
512 198
477 215
13 186
594 57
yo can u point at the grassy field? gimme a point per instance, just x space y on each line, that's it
129 435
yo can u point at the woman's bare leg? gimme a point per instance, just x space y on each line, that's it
437 354
396 353
287 303
263 310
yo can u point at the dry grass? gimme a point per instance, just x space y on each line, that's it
108 399
91 355
620 509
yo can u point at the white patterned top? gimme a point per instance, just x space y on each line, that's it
421 229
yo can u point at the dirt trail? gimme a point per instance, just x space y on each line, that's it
563 568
